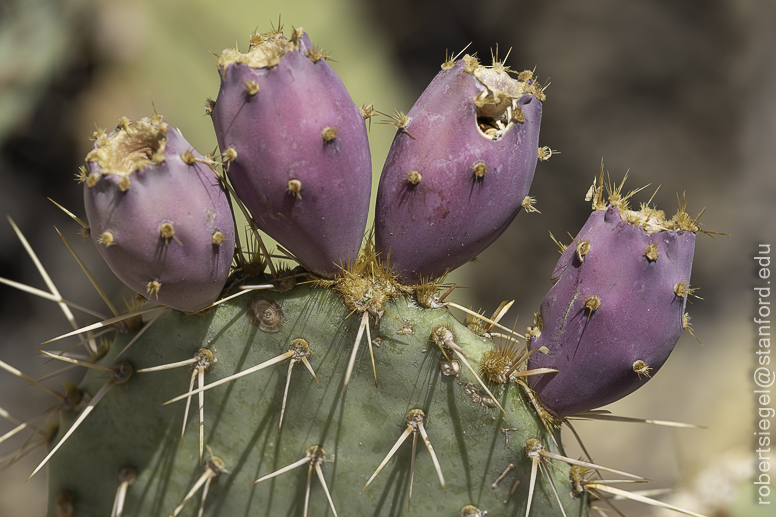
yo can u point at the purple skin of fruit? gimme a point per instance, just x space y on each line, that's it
278 136
640 316
450 215
126 225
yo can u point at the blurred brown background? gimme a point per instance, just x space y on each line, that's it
682 94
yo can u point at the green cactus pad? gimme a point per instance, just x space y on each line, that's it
131 428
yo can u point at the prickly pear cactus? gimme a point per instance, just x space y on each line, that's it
473 440
345 385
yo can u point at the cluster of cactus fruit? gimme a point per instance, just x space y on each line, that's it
487 402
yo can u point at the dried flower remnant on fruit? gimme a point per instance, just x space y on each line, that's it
131 148
265 51
648 218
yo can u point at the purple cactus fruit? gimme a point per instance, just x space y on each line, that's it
296 147
459 169
158 214
616 310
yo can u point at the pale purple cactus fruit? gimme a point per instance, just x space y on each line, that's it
459 169
616 310
158 214
296 148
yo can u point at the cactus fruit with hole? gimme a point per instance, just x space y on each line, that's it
459 169
158 214
331 436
